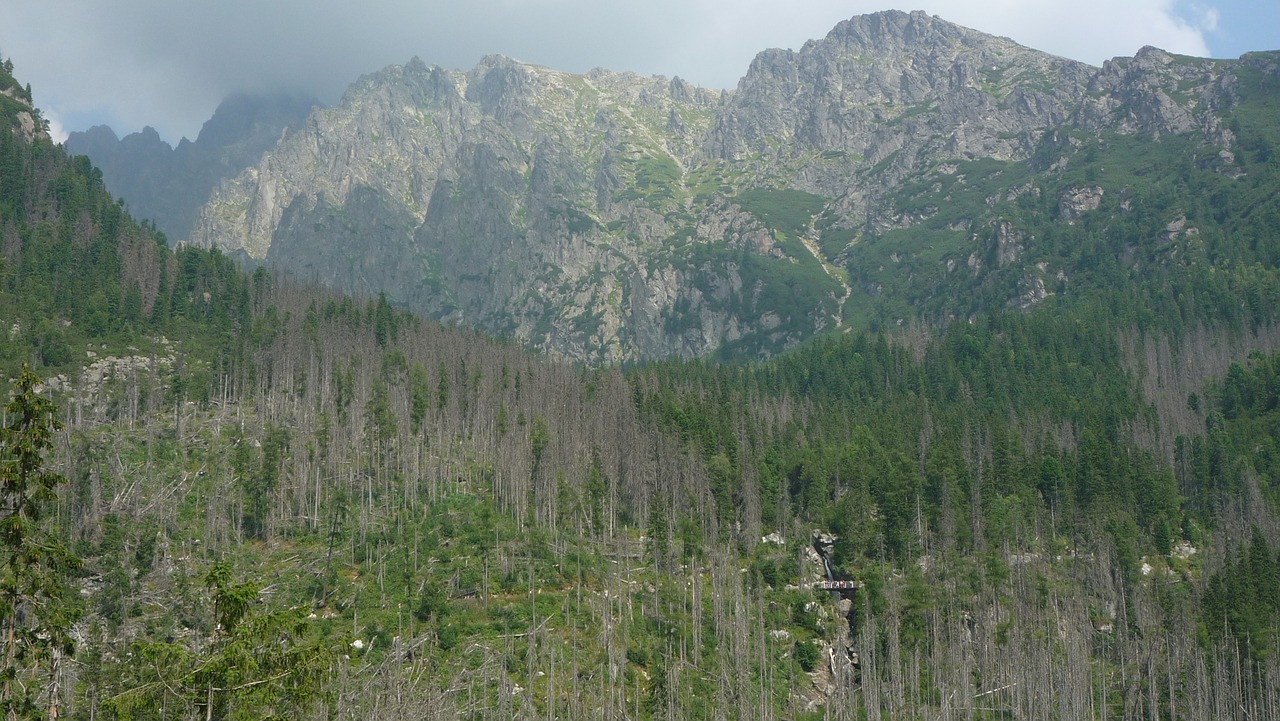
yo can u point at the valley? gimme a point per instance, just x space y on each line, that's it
923 375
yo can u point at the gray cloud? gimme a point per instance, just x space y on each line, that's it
167 63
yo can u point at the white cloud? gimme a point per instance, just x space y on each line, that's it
1087 30
56 130
1209 18
137 62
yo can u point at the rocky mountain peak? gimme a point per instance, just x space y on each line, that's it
680 91
147 138
99 134
501 87
241 115
892 85
1158 92
413 83
1267 62
894 31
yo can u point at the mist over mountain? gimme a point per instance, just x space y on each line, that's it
167 185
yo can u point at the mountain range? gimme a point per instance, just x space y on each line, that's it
167 185
890 172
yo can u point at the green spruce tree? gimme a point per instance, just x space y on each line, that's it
35 621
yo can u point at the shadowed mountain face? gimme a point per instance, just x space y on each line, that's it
168 185
902 168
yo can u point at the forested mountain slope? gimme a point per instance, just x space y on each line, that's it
291 502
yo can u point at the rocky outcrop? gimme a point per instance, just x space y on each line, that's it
24 120
1010 243
1178 228
1075 202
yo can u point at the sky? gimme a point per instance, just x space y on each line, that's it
167 63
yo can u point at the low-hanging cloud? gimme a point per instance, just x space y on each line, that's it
156 62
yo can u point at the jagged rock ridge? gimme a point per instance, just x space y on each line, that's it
168 185
609 216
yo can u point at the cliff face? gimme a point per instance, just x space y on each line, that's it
168 185
608 216
514 198
20 118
